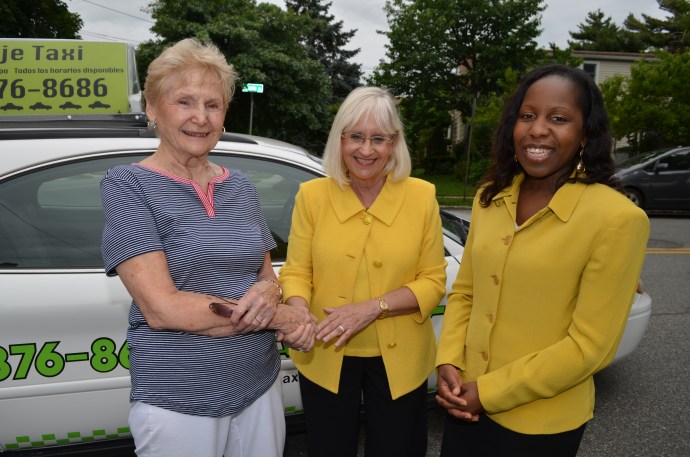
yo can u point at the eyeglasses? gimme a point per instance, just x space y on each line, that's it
376 140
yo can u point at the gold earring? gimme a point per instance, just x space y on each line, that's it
581 165
151 125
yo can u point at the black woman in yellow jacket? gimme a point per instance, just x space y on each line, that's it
547 277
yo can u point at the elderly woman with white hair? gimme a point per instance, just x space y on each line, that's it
185 234
366 258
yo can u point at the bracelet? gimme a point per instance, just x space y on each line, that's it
280 289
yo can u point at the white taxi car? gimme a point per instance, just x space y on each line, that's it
64 377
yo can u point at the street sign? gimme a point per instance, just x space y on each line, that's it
253 87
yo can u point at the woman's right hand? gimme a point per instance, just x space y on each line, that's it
301 339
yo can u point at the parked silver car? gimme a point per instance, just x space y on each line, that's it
64 376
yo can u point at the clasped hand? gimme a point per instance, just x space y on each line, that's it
342 323
256 309
461 400
345 321
302 336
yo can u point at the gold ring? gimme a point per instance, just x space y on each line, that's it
342 329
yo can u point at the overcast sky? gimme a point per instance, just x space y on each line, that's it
124 20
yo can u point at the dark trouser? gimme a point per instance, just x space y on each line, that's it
488 439
396 428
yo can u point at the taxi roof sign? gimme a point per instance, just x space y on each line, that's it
40 76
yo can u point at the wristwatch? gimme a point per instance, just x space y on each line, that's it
383 304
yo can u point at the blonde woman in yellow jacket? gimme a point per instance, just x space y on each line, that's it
546 281
366 258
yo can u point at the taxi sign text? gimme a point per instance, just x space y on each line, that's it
63 76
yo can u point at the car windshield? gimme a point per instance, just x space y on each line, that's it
454 227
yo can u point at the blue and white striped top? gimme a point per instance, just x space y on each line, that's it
215 244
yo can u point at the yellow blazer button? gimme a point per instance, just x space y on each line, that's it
507 240
495 278
392 345
490 317
367 220
378 263
485 355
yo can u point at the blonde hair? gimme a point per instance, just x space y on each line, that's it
360 103
183 57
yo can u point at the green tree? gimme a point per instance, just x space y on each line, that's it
599 33
651 107
445 50
442 54
38 19
325 41
263 43
665 34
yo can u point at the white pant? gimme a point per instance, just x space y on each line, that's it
257 431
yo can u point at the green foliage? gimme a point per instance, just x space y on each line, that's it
38 19
556 55
436 158
450 190
447 50
325 41
663 34
420 118
652 106
613 91
267 46
602 34
443 53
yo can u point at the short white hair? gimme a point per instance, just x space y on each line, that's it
360 103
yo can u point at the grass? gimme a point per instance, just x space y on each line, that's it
450 190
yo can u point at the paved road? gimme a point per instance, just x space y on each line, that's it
643 403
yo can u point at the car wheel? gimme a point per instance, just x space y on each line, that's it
635 196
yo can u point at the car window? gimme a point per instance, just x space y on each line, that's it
679 161
643 157
276 183
53 218
454 227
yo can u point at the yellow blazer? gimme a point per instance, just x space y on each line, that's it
401 240
536 310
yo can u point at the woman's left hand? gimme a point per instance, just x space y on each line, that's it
347 320
256 308
470 394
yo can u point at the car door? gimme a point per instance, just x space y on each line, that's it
63 356
669 182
